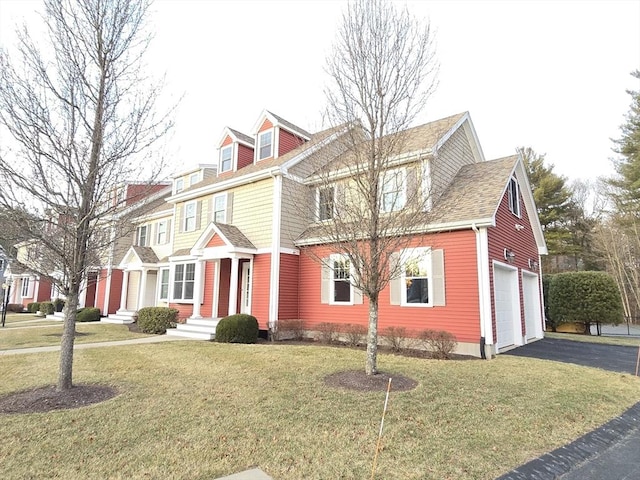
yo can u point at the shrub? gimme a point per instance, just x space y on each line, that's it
15 307
396 337
585 297
90 314
47 308
440 342
58 304
295 328
33 307
355 335
546 287
238 328
327 332
156 319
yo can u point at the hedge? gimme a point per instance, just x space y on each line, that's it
47 308
90 314
584 297
156 319
33 307
238 328
15 307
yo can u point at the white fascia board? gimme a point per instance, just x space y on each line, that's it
154 216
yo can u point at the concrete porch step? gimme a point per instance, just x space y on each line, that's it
56 316
119 318
196 328
174 332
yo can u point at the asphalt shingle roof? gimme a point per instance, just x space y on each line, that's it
146 254
234 235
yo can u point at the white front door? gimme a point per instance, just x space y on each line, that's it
532 306
507 307
245 291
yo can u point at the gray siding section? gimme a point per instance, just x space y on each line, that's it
449 159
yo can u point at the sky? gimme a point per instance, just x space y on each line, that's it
550 75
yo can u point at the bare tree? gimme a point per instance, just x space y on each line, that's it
382 70
82 116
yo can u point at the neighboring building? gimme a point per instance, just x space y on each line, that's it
26 286
235 241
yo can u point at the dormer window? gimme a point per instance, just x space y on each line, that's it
179 185
265 144
194 178
225 158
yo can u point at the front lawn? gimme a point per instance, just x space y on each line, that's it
199 410
50 335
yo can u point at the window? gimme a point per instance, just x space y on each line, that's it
183 281
416 274
161 235
189 217
325 203
194 178
341 281
164 284
514 197
179 184
220 208
225 158
392 191
264 144
141 236
1 264
25 288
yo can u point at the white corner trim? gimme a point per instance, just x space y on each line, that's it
274 279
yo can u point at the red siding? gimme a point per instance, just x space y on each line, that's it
216 241
521 242
185 310
266 125
116 289
207 298
260 289
90 297
101 285
460 316
245 156
223 293
288 299
227 141
288 141
44 291
135 193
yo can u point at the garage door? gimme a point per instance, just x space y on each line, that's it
532 306
505 282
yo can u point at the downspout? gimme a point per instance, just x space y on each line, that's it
480 264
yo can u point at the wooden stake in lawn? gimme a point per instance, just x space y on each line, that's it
384 411
638 361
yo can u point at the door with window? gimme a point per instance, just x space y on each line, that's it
245 289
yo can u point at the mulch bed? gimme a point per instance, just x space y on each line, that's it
47 399
359 380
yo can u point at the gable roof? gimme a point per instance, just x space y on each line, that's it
137 255
237 136
278 121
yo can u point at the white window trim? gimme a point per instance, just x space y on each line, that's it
178 185
196 176
259 146
166 232
160 297
427 198
514 203
147 231
24 288
423 253
195 213
333 210
231 162
172 276
333 258
224 209
403 184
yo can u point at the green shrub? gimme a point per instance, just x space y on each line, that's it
156 319
546 287
239 328
15 307
47 308
584 297
440 342
58 304
89 314
33 307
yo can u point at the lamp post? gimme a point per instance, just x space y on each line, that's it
6 289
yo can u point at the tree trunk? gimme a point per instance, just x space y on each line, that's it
65 374
371 366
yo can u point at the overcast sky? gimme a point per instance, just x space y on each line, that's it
548 74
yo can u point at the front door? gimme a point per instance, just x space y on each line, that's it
245 289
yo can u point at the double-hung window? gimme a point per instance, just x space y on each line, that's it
265 144
194 178
142 236
514 197
416 277
25 288
326 198
190 210
179 185
164 284
341 279
183 281
226 154
392 191
220 208
161 234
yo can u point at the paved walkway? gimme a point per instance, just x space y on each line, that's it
608 452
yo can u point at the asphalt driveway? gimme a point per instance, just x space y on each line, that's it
614 358
608 452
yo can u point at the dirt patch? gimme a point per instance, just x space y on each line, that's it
47 399
359 380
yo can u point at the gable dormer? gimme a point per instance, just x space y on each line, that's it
274 136
190 178
235 151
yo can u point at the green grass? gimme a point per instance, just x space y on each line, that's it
50 335
608 340
191 410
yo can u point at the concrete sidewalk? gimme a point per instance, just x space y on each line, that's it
253 474
82 346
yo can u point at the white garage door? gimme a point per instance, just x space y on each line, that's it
505 281
532 305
